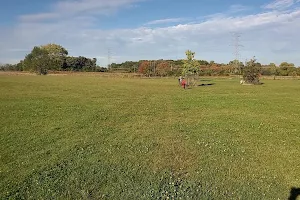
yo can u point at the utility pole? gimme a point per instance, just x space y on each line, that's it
108 59
236 43
153 66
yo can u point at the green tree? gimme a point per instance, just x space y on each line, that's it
55 50
294 74
251 72
203 62
38 61
80 64
286 69
190 67
274 70
57 54
286 65
236 66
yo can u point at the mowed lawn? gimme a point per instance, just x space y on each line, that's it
92 137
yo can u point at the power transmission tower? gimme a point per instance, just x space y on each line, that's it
236 43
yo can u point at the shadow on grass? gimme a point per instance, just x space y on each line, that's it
209 84
295 192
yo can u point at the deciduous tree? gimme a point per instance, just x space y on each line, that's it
57 54
163 68
274 70
190 67
38 60
144 68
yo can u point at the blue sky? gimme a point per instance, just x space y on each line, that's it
153 29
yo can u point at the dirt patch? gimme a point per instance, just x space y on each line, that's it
11 73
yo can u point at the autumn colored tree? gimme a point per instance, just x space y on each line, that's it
163 68
145 68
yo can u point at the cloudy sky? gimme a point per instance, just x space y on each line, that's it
153 29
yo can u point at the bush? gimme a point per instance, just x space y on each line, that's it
294 74
42 71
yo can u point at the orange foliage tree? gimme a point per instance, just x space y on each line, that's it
144 68
163 68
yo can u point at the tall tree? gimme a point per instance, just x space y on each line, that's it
286 69
163 68
145 68
38 61
273 69
190 65
57 54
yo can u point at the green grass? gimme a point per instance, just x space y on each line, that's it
89 137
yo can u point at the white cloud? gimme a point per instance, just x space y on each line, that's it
233 10
238 8
166 21
270 36
68 8
279 4
39 17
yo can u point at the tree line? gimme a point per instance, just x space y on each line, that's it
55 57
204 68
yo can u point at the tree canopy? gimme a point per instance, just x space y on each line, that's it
54 57
55 50
38 60
190 64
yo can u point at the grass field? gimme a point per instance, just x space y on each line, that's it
89 137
